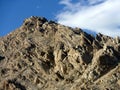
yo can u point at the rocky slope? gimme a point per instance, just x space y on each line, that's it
44 55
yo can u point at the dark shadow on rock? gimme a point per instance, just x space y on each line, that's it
18 85
2 57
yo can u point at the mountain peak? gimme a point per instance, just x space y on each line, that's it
45 55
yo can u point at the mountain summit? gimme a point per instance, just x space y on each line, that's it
45 55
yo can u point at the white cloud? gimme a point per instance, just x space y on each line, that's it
96 15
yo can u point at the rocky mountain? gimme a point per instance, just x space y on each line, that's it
45 55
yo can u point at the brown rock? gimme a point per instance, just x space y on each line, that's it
45 55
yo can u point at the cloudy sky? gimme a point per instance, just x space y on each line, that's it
96 16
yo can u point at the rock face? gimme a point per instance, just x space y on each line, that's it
44 55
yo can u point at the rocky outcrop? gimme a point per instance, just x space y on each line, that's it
45 55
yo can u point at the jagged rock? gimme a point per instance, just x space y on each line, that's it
45 55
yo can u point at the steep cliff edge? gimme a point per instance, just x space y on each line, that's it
45 55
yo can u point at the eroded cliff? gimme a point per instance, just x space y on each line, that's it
45 55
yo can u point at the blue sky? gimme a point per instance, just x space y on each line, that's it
96 16
13 12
